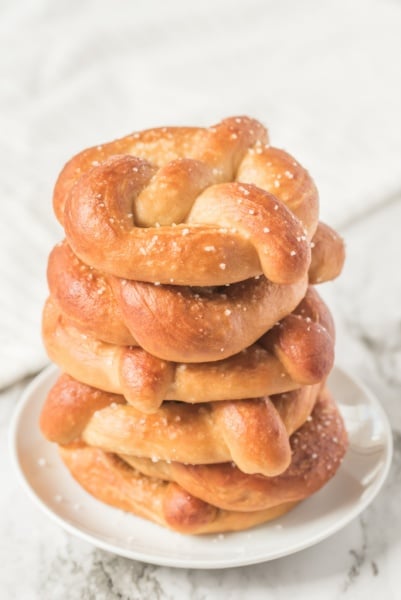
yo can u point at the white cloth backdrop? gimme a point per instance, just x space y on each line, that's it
324 76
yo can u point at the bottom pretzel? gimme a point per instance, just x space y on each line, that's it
243 501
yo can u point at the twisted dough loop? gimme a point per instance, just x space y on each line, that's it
120 211
318 448
112 481
190 325
213 498
298 351
251 433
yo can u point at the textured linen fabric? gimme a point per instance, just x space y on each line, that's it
323 76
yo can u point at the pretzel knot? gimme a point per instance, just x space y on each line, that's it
252 433
196 207
297 351
213 498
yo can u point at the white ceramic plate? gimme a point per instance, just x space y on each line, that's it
357 482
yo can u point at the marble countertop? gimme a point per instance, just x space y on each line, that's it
316 94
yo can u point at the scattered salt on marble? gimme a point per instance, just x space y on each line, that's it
222 266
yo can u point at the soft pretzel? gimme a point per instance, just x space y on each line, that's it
251 433
112 481
298 351
174 323
318 448
155 208
191 325
234 501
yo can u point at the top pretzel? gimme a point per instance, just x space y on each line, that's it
190 206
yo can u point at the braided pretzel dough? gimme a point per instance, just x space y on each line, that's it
318 448
112 481
191 325
251 433
120 212
300 350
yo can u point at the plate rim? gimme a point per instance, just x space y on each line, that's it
28 395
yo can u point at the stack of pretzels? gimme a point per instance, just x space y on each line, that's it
183 315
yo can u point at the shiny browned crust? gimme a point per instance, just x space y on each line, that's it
251 433
298 351
328 255
181 206
318 448
112 481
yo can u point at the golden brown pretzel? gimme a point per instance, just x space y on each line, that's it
318 448
179 223
112 481
317 455
251 433
298 351
232 317
174 323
